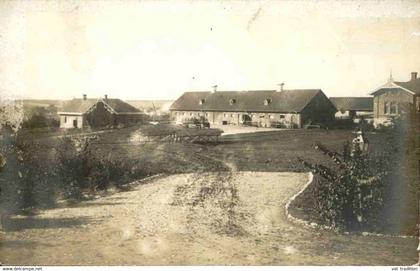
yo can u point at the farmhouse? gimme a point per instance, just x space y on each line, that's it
264 108
351 107
79 113
396 98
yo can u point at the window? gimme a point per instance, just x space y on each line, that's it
393 108
207 114
224 115
270 116
202 101
267 101
282 116
176 113
231 115
190 113
386 108
232 101
65 119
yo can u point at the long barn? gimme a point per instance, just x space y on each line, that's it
263 108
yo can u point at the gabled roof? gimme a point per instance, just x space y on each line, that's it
81 106
120 106
78 105
412 86
353 103
246 101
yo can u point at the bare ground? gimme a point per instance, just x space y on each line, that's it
226 218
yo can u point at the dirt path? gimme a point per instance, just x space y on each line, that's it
231 218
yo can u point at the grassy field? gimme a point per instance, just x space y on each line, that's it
274 151
263 151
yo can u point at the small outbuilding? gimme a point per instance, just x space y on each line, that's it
352 107
99 112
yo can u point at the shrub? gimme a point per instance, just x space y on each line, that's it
72 165
108 172
351 194
25 181
40 117
80 170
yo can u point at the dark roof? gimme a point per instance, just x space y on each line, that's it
120 106
81 106
412 85
353 103
246 101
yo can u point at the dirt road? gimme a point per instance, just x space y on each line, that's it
222 218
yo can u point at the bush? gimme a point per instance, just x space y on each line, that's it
80 170
351 194
40 117
107 172
25 181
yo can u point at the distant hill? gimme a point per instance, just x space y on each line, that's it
145 105
30 103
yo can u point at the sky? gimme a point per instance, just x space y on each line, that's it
160 49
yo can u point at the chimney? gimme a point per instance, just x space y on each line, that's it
214 88
84 97
280 87
413 76
106 97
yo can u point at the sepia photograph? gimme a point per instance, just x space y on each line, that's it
227 133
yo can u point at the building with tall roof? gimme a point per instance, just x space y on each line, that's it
99 112
396 98
352 107
264 108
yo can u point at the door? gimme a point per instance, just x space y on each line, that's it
246 119
75 123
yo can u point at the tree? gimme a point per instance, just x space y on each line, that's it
41 117
11 116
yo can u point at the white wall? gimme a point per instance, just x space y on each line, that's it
66 121
235 118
